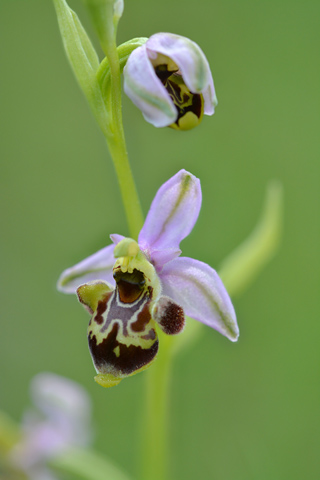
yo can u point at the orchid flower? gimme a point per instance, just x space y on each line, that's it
169 79
62 421
128 287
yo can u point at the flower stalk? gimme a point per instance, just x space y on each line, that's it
129 194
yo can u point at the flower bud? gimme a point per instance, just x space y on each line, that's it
169 79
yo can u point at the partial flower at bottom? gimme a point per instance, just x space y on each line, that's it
62 420
131 287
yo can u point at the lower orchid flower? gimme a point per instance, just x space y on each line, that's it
132 287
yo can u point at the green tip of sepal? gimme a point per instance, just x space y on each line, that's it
107 380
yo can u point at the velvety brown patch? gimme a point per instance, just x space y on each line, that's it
169 316
130 358
101 308
143 319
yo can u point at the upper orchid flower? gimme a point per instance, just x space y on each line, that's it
148 283
169 79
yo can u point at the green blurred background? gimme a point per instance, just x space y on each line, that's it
238 411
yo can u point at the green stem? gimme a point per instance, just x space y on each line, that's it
154 452
154 442
127 186
116 139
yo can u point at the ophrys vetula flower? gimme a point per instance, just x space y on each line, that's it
130 287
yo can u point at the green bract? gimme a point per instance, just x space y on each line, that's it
83 59
94 77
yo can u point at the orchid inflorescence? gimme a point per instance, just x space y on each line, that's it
139 290
140 284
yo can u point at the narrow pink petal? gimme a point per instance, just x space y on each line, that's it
192 63
199 290
172 214
146 91
96 267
